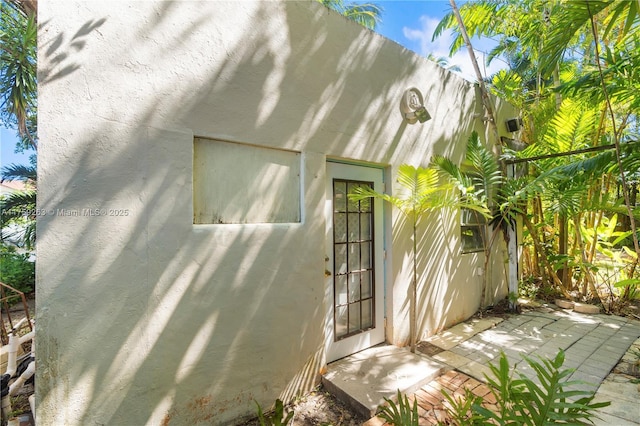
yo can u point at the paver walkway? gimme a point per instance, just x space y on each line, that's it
593 345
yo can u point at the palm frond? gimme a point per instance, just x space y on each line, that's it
18 85
18 172
366 14
482 166
571 128
479 18
572 17
582 170
18 204
452 172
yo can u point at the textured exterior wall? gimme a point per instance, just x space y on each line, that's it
144 318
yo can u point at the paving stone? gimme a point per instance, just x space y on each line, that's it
585 308
480 357
564 304
451 358
476 370
586 381
625 391
545 315
606 419
445 340
578 353
592 344
619 408
594 364
462 351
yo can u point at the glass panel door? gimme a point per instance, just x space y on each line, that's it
353 264
355 278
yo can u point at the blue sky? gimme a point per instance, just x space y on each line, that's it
8 141
409 23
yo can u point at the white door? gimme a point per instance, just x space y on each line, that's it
355 271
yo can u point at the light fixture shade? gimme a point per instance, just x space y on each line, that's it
422 114
412 107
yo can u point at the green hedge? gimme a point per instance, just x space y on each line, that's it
16 270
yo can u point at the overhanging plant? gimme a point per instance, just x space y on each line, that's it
421 190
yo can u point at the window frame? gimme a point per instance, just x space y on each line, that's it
477 223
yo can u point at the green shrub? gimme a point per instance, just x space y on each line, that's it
523 401
16 270
400 414
275 418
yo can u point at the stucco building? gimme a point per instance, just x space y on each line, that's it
206 149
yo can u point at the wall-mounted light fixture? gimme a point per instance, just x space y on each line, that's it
514 124
412 107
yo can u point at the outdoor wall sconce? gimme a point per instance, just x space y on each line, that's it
412 107
514 124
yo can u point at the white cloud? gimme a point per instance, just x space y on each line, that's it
440 47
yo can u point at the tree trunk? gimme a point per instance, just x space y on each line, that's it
563 240
413 322
552 275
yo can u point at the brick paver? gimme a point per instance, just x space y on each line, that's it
432 403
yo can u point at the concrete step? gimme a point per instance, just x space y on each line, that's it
364 379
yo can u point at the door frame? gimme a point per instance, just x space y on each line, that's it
336 349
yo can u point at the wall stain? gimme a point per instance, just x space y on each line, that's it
202 410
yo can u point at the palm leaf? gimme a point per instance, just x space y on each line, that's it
18 86
18 202
20 207
451 171
366 14
571 127
18 172
571 18
479 19
482 167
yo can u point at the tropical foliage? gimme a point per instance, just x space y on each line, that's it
16 269
365 14
18 86
277 417
18 107
551 397
573 72
17 218
401 413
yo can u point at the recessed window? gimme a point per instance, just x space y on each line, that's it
238 183
472 231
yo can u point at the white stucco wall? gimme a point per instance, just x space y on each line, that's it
144 318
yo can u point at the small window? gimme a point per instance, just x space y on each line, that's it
472 231
237 183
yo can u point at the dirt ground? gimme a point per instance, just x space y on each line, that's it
322 409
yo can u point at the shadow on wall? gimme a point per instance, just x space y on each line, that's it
440 261
58 51
438 265
142 321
